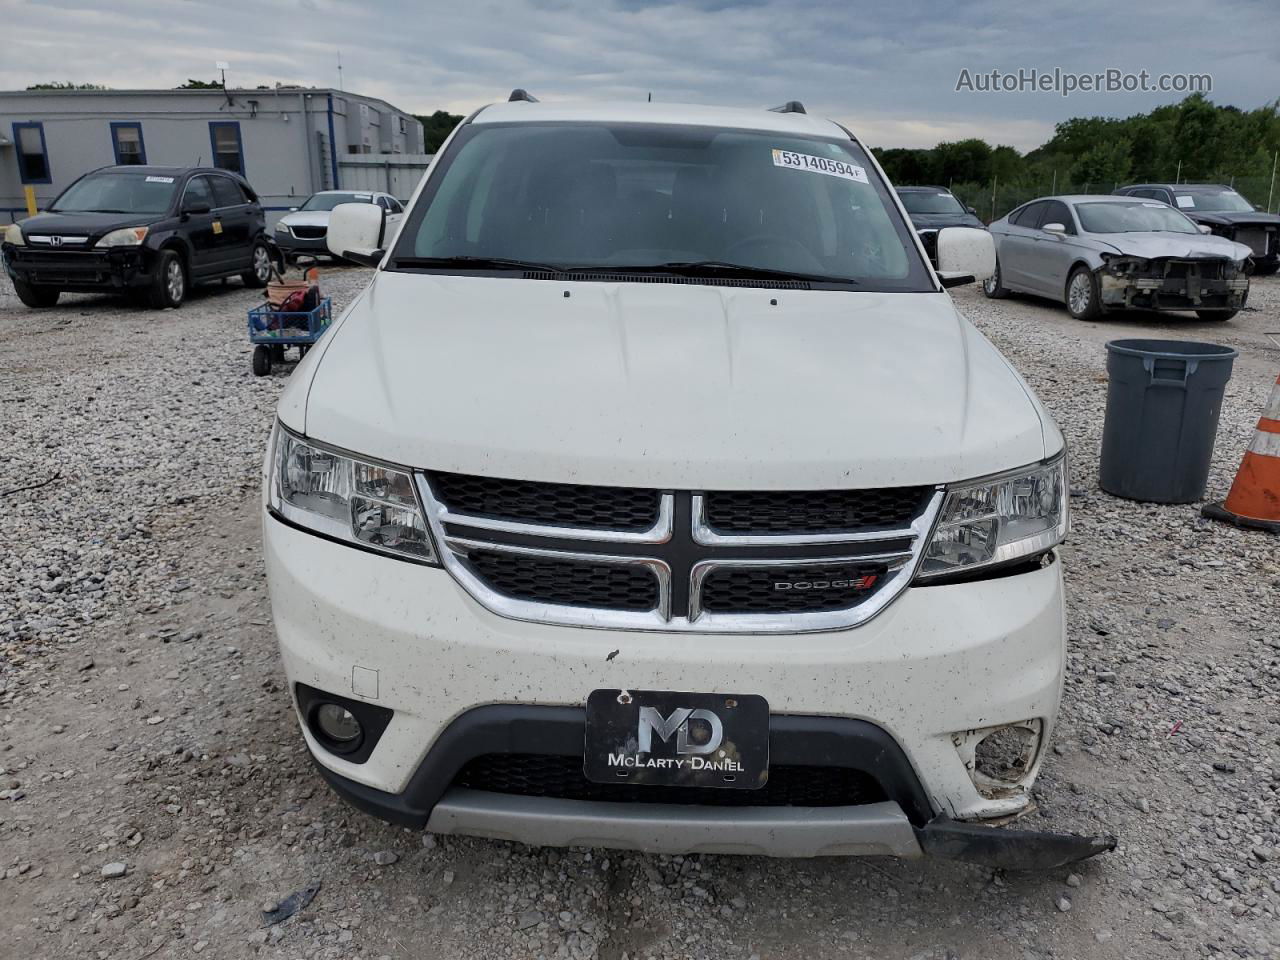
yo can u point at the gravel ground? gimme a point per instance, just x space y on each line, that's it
155 796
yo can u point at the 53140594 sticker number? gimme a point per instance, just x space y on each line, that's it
832 168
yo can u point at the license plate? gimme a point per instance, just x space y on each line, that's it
666 738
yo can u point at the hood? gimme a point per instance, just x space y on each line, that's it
91 225
936 221
683 386
307 218
1181 245
1229 218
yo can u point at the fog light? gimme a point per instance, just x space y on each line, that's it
1000 759
338 724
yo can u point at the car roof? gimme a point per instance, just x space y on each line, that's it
1181 186
370 193
768 121
921 189
1089 198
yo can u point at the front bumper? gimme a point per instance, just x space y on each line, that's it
1182 285
938 662
80 270
292 245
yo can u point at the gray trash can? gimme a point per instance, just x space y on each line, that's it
1163 403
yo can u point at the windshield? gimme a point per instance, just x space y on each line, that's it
327 201
920 201
1143 217
1212 200
117 193
647 196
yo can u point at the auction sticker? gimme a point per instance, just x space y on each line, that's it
159 179
832 168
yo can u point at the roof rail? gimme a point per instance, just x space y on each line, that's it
791 106
520 93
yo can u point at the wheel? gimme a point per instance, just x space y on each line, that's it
1265 269
992 287
1082 294
36 296
259 271
169 288
1217 315
261 360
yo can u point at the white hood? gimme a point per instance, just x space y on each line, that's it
306 218
666 385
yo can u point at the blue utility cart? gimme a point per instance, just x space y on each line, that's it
274 331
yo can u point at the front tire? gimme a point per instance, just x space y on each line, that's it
36 296
169 288
259 272
261 360
992 286
1218 316
1082 294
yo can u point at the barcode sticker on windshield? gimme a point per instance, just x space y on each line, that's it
159 179
832 168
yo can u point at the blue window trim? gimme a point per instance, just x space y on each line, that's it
44 148
115 143
213 143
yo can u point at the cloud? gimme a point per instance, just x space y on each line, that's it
886 70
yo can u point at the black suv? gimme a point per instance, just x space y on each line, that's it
1225 212
150 232
931 209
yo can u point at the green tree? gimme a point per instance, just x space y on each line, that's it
67 85
436 127
199 85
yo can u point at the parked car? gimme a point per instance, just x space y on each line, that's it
148 231
303 229
931 209
1097 253
1225 212
655 494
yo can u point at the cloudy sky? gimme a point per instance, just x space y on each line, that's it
887 70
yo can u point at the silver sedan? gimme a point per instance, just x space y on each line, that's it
1098 253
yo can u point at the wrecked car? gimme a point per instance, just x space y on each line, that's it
654 494
1100 253
1225 212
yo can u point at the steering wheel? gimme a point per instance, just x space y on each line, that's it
797 255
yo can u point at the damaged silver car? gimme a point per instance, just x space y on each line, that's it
1097 253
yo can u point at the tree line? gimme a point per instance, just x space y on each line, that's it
1194 140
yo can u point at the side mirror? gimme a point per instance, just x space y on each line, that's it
1057 229
965 255
972 210
293 209
357 232
196 209
1204 228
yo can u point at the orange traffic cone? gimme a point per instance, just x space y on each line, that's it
1254 500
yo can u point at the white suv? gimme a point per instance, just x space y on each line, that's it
653 494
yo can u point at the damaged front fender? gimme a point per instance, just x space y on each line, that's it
1007 849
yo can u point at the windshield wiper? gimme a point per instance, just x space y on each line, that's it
711 268
478 263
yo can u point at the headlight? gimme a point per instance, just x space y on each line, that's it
364 503
13 234
124 237
1000 519
282 227
1122 266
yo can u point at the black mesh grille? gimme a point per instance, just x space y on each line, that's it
544 775
309 233
569 582
814 511
553 504
784 589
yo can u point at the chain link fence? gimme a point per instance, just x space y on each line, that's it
993 201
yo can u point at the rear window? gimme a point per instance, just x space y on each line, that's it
638 196
117 193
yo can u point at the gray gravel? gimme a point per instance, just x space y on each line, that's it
143 722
